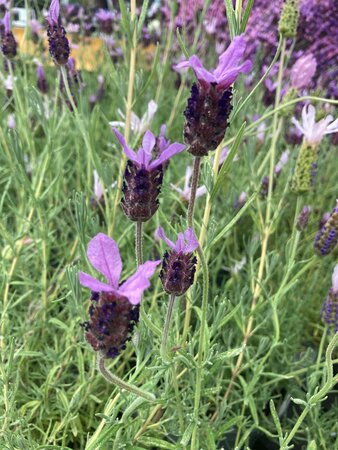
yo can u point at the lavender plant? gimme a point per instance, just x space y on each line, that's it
242 358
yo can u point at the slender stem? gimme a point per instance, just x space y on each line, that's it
131 408
164 353
194 183
138 243
130 94
114 379
266 234
201 348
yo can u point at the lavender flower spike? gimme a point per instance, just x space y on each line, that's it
178 265
327 237
115 309
329 310
8 42
58 43
228 68
314 131
209 106
144 175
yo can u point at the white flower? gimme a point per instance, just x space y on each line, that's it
282 161
314 131
335 279
138 125
185 192
98 186
11 121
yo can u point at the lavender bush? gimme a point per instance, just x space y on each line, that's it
211 187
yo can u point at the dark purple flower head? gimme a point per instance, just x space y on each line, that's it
179 264
143 158
228 68
104 255
303 218
8 42
58 43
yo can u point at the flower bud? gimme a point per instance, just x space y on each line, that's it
288 21
58 44
306 169
329 310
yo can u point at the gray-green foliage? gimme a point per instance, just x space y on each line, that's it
52 395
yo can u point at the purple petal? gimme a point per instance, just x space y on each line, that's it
191 241
7 22
148 142
182 65
179 247
54 12
104 255
229 76
144 153
94 284
160 233
167 154
134 287
201 73
128 151
231 57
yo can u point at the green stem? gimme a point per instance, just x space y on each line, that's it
114 379
194 183
201 348
138 243
164 350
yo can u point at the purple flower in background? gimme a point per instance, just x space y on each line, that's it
327 237
58 43
185 192
143 176
8 42
179 264
11 122
303 218
36 29
240 201
42 82
228 68
114 311
303 71
329 310
314 131
99 94
105 19
98 187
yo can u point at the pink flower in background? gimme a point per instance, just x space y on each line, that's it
185 192
302 71
314 131
104 255
228 68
